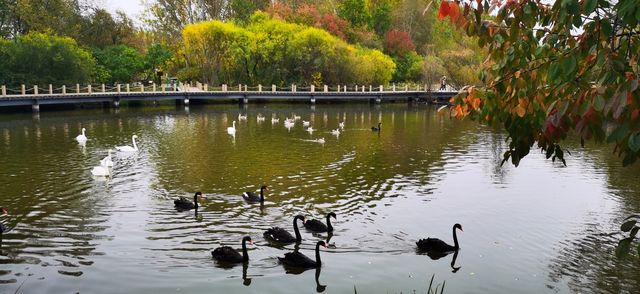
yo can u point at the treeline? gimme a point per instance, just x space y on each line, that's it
233 41
268 51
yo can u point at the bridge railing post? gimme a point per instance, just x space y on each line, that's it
64 89
77 88
393 87
363 88
381 88
259 88
35 89
338 88
206 87
345 88
104 89
370 88
245 88
50 89
154 87
273 88
406 88
128 88
162 87
89 88
313 88
142 88
4 90
175 87
239 87
23 90
356 88
326 88
118 88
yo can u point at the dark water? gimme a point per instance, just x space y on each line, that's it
540 228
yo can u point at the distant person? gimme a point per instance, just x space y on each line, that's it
443 83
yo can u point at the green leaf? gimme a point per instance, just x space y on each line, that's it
606 27
618 133
598 103
623 247
569 65
554 71
634 142
564 106
551 106
627 226
590 6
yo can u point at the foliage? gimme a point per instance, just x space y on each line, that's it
121 63
271 51
632 226
354 11
101 29
398 43
409 68
433 68
40 59
381 16
546 79
156 60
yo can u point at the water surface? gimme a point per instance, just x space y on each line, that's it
538 228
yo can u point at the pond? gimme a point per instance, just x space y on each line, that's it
538 228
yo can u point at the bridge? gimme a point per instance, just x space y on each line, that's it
114 95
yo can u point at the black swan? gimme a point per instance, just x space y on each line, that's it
297 259
252 197
183 203
317 226
230 255
280 235
377 129
438 246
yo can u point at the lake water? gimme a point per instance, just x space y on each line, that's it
538 228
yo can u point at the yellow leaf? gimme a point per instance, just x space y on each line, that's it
521 111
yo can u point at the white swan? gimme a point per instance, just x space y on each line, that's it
296 117
321 140
275 120
129 148
335 132
260 117
107 160
81 138
100 171
306 123
341 125
242 117
310 130
232 130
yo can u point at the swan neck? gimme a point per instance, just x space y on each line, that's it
295 230
245 255
455 239
329 226
195 201
261 195
134 143
318 261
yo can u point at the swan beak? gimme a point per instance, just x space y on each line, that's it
250 242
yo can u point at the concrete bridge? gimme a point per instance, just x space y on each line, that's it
114 95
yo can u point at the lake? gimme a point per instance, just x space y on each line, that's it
538 228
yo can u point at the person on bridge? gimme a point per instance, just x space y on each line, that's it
443 83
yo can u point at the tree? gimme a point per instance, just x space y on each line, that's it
570 67
398 43
381 17
354 11
121 63
101 29
40 59
155 61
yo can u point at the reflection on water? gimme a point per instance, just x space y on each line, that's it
538 228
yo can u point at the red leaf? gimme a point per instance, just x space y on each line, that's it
444 10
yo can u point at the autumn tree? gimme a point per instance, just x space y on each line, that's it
569 67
